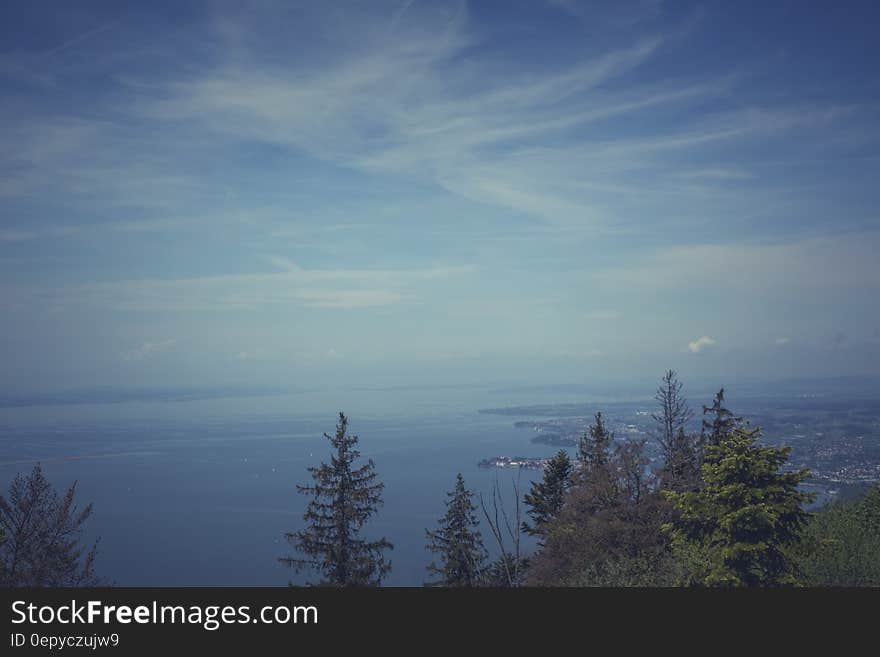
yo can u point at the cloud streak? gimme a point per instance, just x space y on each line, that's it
292 286
819 264
700 344
436 179
404 108
148 350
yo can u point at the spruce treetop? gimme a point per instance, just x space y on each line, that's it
738 526
344 498
457 541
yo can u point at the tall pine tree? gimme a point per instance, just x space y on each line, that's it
681 464
457 541
680 450
595 472
546 496
737 529
41 536
344 498
720 423
594 448
674 411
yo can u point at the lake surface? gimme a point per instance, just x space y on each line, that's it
201 492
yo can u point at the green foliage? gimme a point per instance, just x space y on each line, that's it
594 447
617 545
546 496
682 462
457 541
40 534
344 498
841 544
595 476
657 568
609 530
719 423
736 529
506 572
722 511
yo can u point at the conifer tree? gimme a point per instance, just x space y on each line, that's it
596 476
506 572
674 411
681 467
609 530
736 530
841 544
546 496
681 452
594 448
457 541
722 421
40 533
344 498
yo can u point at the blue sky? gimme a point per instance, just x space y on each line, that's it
437 192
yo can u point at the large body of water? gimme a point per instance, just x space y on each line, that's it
201 492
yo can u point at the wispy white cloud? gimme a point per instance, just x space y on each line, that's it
365 146
16 235
700 343
617 14
40 233
602 315
78 39
292 285
148 350
400 107
525 140
820 263
715 174
415 107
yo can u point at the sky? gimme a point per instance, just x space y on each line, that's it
433 193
